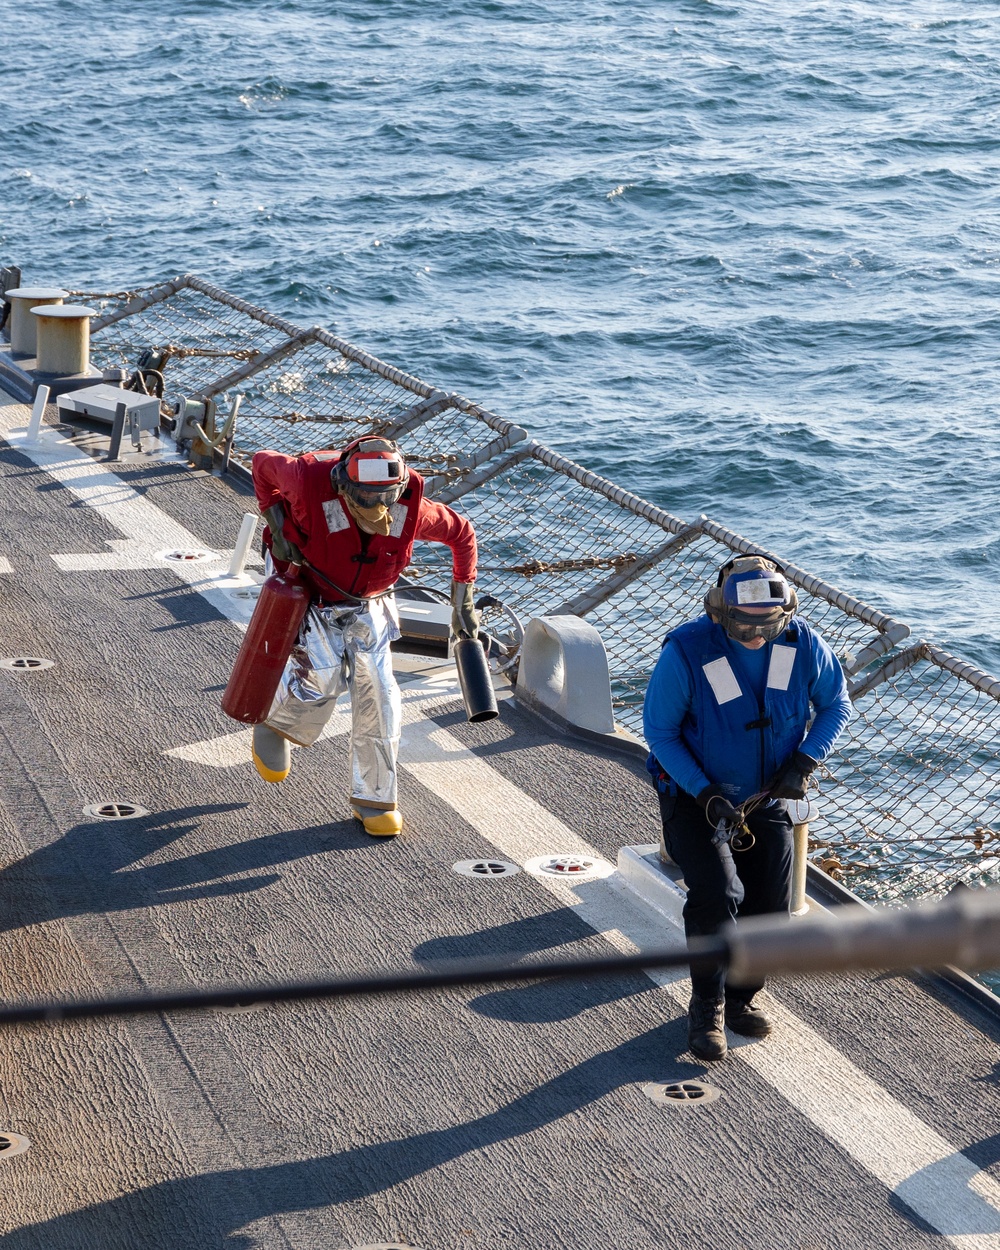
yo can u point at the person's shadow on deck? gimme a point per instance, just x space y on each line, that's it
206 1210
87 870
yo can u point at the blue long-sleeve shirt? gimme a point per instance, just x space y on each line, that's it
670 697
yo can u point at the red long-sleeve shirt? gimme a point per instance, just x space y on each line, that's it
318 522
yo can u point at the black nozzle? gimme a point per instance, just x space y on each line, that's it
474 678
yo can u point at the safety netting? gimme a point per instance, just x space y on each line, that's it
908 803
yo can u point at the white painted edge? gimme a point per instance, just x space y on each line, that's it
639 869
651 884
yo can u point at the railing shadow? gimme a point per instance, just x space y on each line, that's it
537 1003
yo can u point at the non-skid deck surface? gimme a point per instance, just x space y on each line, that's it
511 1117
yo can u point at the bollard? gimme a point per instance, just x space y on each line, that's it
245 537
63 338
23 341
37 412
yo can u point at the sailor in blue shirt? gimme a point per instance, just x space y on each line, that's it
727 719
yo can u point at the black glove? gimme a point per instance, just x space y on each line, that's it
792 779
464 617
717 806
281 548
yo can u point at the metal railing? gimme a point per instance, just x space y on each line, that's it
910 798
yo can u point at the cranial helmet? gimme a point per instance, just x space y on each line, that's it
371 471
747 585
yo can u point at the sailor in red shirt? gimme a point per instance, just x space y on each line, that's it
351 517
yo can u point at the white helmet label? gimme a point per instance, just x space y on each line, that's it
755 590
377 470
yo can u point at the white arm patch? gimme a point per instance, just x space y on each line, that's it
336 516
722 679
779 671
398 513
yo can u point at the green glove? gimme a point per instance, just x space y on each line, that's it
464 617
281 548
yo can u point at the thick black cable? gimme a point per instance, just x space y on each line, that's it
711 950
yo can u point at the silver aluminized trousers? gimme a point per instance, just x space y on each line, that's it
346 648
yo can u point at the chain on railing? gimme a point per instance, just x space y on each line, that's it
910 800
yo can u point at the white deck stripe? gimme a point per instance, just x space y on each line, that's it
127 511
233 750
878 1132
912 1160
863 1119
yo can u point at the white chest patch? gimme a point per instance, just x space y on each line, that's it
398 513
722 679
779 671
336 516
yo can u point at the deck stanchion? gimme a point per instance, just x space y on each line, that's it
799 905
242 549
802 811
115 446
37 412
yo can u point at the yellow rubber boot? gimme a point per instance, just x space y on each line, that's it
377 822
272 754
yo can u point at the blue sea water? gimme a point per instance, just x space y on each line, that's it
743 258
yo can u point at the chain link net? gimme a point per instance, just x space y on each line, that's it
315 398
911 797
540 534
208 340
639 616
909 801
307 397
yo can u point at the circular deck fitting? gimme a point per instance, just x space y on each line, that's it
114 810
251 593
683 1094
12 1144
187 555
569 867
25 663
485 868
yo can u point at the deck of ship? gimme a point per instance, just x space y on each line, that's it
514 1117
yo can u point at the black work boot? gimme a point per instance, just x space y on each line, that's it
706 1038
744 1018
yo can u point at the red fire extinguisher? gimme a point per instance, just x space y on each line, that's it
266 647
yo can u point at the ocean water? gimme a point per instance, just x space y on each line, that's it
742 258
